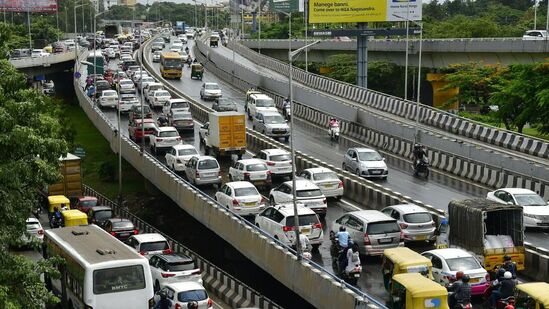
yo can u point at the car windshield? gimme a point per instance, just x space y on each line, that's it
180 105
182 116
264 103
146 109
33 225
418 217
193 295
161 94
383 227
181 266
256 167
280 157
187 152
103 215
325 176
168 134
308 193
207 164
530 200
123 225
154 246
303 220
211 86
369 156
126 82
274 119
119 279
463 263
245 191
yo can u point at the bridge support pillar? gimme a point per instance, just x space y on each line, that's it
362 58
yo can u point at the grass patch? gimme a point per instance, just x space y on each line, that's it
100 166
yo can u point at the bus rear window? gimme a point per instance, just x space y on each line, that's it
119 279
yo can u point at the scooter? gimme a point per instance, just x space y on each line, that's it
421 168
55 222
287 112
352 276
334 133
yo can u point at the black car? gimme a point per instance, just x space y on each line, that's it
101 86
99 214
120 228
135 112
224 105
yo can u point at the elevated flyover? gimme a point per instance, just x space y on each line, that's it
32 66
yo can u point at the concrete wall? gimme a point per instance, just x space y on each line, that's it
21 63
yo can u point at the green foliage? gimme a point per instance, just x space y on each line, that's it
31 142
343 68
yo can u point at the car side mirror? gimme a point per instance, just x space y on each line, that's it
356 159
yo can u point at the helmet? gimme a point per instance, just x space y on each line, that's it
417 145
459 275
342 229
163 294
332 118
506 258
465 278
507 275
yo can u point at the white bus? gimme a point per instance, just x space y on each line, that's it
99 272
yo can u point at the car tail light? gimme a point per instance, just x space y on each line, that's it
401 236
135 231
113 233
178 138
247 176
317 226
263 200
210 303
40 232
324 201
142 252
270 163
167 251
167 275
487 277
287 228
197 175
403 225
235 202
196 272
366 239
178 306
159 139
340 184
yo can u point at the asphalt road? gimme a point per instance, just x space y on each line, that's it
315 142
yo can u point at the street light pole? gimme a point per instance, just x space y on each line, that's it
29 22
535 14
407 42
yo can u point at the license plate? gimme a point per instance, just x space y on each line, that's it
249 204
385 240
328 186
305 230
124 234
421 237
376 172
474 280
209 174
357 275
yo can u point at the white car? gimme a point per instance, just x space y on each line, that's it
252 170
241 197
181 293
145 81
259 102
210 91
177 46
179 155
447 262
39 53
109 52
126 102
416 223
278 221
365 162
326 180
535 35
203 170
184 56
535 209
156 56
307 193
175 267
163 138
271 124
148 244
109 98
138 75
175 105
34 232
278 161
159 98
126 86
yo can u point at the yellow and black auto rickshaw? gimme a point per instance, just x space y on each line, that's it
414 291
402 260
533 295
57 201
74 217
197 70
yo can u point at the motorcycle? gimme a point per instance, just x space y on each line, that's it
421 168
464 304
55 222
287 111
334 133
350 276
504 303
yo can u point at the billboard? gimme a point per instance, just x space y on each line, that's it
286 5
348 11
249 6
33 6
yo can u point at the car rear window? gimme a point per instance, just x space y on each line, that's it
245 191
303 220
123 225
89 203
256 167
187 152
418 217
181 266
193 295
281 157
168 134
119 279
207 164
308 193
103 215
325 176
154 246
180 105
33 225
463 263
383 227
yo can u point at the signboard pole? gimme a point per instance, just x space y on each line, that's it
362 58
30 35
305 11
259 27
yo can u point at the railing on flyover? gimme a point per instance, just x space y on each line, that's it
29 62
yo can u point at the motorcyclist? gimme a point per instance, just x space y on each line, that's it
509 265
419 153
353 258
344 240
454 287
305 245
56 215
462 292
285 104
505 288
164 302
162 121
333 122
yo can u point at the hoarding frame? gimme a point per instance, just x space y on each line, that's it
351 11
31 6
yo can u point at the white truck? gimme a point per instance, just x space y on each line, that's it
226 134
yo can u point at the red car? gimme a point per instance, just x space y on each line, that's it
83 203
135 131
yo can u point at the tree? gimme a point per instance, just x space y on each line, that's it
542 97
32 140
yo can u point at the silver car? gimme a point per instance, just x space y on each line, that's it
365 162
210 91
271 124
203 170
415 222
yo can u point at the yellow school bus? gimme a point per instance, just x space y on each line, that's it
170 65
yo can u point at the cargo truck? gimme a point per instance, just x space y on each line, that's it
488 230
226 134
111 31
71 183
179 27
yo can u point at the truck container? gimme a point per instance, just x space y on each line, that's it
71 183
487 229
111 31
179 27
226 134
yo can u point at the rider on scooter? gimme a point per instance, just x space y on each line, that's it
419 152
462 291
334 123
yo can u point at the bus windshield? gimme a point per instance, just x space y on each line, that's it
172 63
119 279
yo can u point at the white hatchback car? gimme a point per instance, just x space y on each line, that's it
365 162
109 98
278 221
241 197
203 170
127 101
447 262
181 293
34 230
179 155
415 222
148 244
163 138
325 179
278 161
307 193
535 209
175 267
252 170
